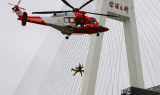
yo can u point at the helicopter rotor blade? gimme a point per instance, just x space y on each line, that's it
22 8
11 4
64 1
19 2
50 12
14 10
103 14
85 4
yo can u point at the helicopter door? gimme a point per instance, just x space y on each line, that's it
78 21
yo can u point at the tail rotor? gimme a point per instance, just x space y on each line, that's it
16 6
19 2
11 4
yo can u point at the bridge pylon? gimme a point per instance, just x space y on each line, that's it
125 10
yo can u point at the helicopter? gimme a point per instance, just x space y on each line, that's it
67 22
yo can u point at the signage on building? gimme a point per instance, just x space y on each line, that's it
118 6
155 88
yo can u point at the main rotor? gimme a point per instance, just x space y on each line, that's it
76 9
73 10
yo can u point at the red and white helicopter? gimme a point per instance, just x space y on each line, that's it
68 22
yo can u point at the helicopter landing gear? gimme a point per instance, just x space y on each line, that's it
67 37
98 34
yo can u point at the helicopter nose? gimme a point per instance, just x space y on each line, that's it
105 29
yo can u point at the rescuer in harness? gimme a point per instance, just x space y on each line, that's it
78 69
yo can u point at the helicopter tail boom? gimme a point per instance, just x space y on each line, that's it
17 11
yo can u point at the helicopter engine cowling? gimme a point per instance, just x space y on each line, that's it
24 19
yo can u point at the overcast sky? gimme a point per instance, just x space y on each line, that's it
18 44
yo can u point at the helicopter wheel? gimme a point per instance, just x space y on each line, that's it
67 37
98 34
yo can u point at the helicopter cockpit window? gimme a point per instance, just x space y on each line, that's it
88 20
71 20
94 21
66 20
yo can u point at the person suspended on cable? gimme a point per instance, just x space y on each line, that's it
78 69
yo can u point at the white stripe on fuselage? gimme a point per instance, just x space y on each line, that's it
57 20
58 23
19 13
53 20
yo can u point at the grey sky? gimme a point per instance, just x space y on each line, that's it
18 45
